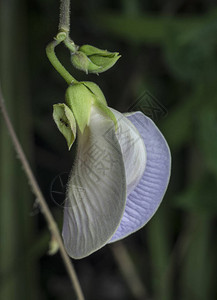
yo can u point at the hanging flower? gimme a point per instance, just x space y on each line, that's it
120 174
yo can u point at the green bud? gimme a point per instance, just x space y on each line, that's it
95 89
79 98
94 60
65 122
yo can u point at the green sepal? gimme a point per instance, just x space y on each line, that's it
104 62
65 121
93 68
91 50
79 98
106 111
96 90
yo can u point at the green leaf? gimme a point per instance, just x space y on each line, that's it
79 98
65 122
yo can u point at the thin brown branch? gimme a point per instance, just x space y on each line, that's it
129 271
41 200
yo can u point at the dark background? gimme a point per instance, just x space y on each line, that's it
169 50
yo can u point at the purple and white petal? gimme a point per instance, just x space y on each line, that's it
144 200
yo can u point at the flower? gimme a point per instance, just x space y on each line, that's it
118 180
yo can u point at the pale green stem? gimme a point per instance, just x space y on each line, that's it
70 44
50 50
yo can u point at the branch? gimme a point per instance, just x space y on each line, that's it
41 201
129 271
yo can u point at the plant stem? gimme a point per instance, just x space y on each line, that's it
129 271
50 51
40 198
64 22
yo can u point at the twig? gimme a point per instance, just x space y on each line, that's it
128 271
180 248
40 198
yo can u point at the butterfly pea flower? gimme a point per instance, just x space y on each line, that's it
120 174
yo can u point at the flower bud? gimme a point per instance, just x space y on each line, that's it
94 60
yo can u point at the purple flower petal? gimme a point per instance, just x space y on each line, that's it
144 200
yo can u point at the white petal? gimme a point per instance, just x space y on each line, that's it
133 150
96 194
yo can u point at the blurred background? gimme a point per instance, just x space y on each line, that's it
168 69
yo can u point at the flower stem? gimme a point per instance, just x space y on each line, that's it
41 200
62 36
64 22
50 50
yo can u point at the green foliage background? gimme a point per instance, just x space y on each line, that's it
168 48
